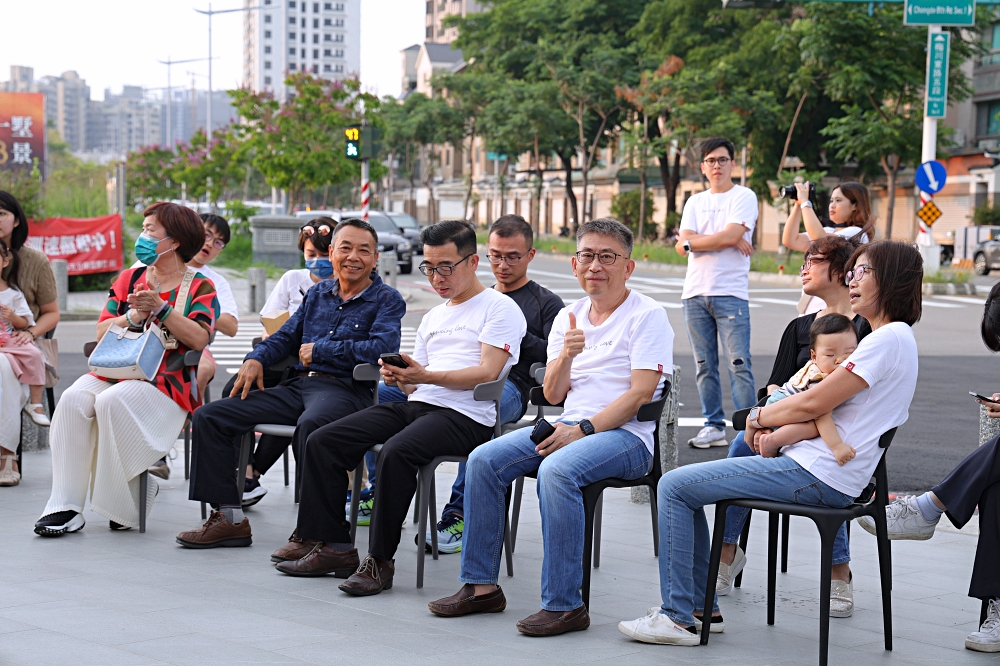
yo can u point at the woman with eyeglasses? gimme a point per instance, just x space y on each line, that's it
823 276
851 217
314 242
869 394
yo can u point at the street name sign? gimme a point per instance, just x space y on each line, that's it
930 177
940 12
936 90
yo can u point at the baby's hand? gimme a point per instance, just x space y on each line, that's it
6 313
844 453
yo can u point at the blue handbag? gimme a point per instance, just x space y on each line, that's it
124 353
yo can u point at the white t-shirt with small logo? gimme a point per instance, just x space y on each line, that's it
724 272
887 360
450 337
637 336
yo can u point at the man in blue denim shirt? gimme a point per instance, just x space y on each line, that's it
352 319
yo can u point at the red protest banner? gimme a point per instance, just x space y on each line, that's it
91 245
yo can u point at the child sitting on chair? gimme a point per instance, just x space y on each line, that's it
831 340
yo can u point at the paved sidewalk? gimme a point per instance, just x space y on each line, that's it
102 597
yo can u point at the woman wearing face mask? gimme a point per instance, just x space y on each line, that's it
314 241
850 217
105 433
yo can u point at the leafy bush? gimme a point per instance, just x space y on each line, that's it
625 208
986 214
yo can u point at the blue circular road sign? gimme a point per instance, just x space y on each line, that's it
930 177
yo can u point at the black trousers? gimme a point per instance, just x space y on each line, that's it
412 434
305 402
976 481
269 447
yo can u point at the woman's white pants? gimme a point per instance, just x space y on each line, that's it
12 399
103 437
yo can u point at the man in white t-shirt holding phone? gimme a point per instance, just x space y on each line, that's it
469 340
716 233
607 355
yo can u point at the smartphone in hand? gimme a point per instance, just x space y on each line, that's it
542 431
983 398
394 359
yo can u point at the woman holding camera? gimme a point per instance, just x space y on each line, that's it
850 216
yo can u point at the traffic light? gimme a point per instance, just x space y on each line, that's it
352 149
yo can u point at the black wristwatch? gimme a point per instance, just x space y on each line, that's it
587 427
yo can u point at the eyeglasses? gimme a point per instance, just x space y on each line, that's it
322 230
858 273
605 258
810 262
443 271
511 259
721 161
217 243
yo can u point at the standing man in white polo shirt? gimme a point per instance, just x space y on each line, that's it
716 232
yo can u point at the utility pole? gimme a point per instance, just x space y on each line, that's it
210 13
168 62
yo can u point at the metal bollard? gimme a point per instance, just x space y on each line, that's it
257 283
60 270
388 269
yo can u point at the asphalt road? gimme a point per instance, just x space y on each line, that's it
944 421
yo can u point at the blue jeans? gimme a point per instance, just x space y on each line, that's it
684 539
711 319
511 409
495 465
736 516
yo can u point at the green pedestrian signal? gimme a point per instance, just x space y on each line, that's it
352 149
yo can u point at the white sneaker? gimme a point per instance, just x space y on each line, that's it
842 598
987 639
709 436
728 573
717 627
904 520
659 629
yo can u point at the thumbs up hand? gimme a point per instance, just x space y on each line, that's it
574 340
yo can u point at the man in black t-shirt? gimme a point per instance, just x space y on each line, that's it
510 251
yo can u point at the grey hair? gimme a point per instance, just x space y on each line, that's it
608 226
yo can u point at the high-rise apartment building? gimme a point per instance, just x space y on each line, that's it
289 36
437 10
67 100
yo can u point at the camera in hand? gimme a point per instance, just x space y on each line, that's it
789 192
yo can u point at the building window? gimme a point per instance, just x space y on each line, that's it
327 68
339 69
291 51
327 53
327 22
267 49
328 6
339 53
988 120
315 23
315 69
429 32
267 2
291 5
291 20
267 64
303 53
315 7
303 23
267 80
303 38
291 35
430 7
292 67
267 34
339 23
315 53
327 37
315 38
339 38
267 18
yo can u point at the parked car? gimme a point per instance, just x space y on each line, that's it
986 257
410 228
390 237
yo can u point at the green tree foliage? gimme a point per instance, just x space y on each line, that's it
149 172
625 207
298 145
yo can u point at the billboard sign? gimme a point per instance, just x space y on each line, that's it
91 245
22 130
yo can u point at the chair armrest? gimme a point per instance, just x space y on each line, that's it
740 415
48 335
491 390
886 439
256 341
537 373
537 398
88 348
192 358
366 372
652 410
761 393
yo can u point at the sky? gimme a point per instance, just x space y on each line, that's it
115 42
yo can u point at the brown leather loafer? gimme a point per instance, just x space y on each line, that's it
553 623
295 549
217 532
371 578
465 602
320 561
